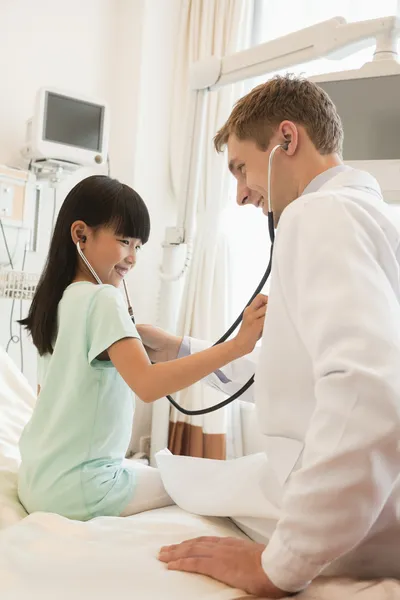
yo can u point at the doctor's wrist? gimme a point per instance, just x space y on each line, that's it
174 346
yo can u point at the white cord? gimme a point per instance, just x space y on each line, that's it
21 344
14 253
185 268
6 245
8 281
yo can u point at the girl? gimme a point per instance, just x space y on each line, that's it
91 359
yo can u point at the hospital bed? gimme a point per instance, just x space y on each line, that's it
47 556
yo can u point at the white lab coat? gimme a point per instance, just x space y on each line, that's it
327 387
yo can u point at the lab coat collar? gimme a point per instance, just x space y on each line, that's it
353 178
316 184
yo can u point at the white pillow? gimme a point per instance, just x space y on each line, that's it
219 488
16 404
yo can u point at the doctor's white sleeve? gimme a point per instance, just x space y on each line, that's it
230 378
331 265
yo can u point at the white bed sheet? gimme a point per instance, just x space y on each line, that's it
47 557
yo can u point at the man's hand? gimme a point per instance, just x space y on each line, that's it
160 345
232 561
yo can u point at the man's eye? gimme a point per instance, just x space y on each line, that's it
242 169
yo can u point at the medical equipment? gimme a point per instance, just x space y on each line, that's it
18 285
17 209
72 129
17 192
334 39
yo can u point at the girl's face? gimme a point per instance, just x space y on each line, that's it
111 256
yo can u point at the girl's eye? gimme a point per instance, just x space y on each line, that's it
138 247
126 242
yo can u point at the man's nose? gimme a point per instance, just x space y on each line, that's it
243 196
247 196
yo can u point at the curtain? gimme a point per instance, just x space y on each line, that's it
208 27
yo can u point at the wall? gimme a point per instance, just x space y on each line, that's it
62 44
103 48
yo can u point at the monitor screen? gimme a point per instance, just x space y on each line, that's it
73 122
370 113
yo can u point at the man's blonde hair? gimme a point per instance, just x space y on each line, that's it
257 115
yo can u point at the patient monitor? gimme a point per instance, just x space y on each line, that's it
69 128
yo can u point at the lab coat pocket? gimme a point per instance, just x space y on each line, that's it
284 454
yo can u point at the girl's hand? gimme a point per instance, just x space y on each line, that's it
252 325
151 382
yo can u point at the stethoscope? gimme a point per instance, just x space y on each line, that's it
228 333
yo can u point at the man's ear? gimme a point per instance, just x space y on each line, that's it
290 134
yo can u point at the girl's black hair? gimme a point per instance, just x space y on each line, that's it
99 201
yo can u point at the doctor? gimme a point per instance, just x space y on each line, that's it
327 385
